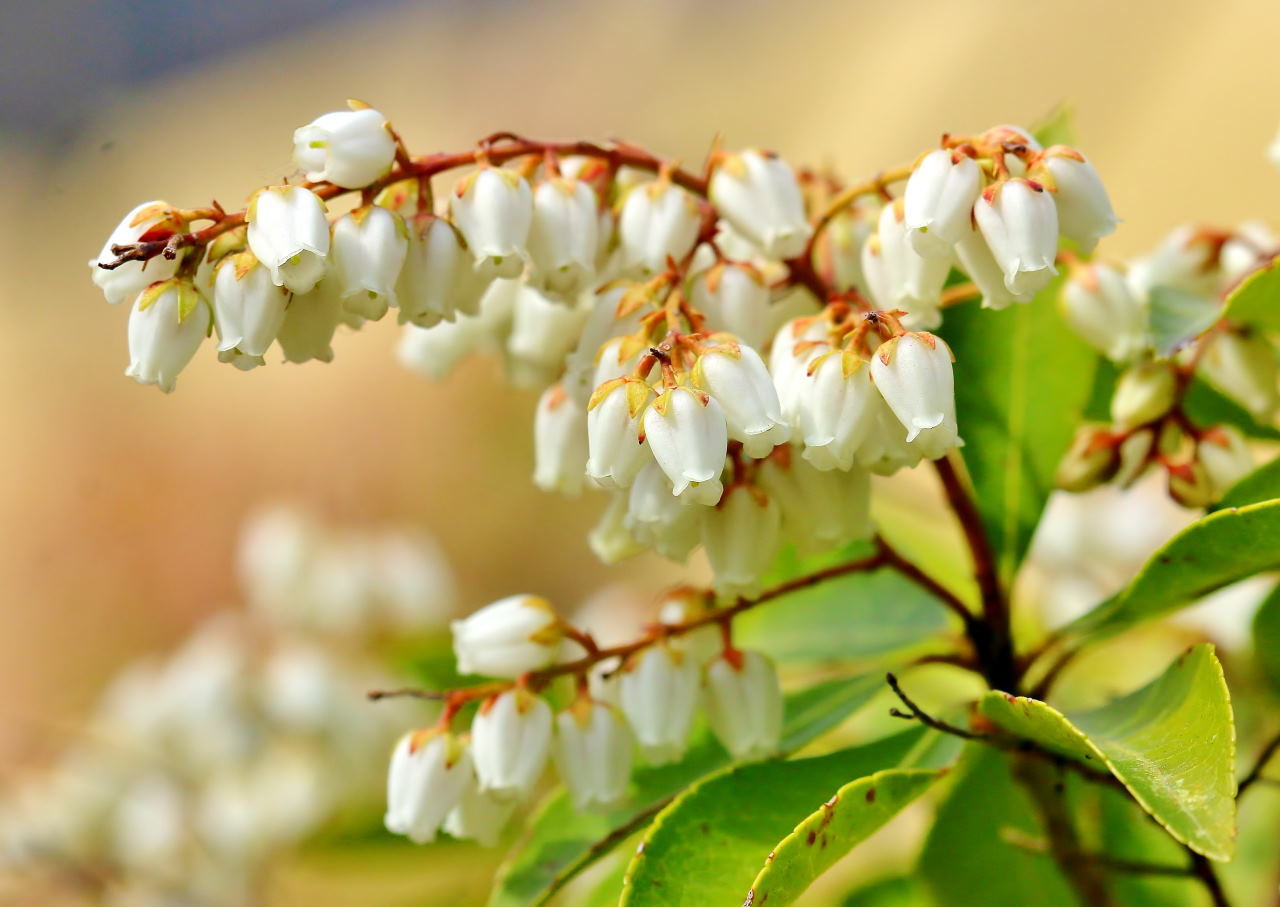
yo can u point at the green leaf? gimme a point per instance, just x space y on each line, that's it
1171 743
1177 316
1126 834
1256 300
895 891
1205 405
1022 381
1212 552
1058 128
1263 484
561 842
850 817
1266 638
708 844
968 858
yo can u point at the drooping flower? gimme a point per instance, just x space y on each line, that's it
758 194
350 148
507 638
290 235
510 743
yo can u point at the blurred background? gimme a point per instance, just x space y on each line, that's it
120 504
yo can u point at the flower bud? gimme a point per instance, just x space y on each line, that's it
686 431
1019 221
744 704
614 445
437 278
1091 461
1084 209
510 743
1243 366
682 605
507 638
1189 484
834 409
658 519
735 300
428 774
975 259
350 148
478 816
150 220
249 309
1225 456
369 249
741 539
289 234
659 220
167 325
938 202
913 374
904 279
1135 457
493 208
309 322
758 194
659 693
610 540
1144 393
593 754
1100 306
559 442
563 237
735 375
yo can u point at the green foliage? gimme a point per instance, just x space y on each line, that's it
1266 638
1058 128
1263 484
1205 405
1125 833
1177 316
1254 300
894 891
1171 743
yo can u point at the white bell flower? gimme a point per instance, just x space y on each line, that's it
839 247
168 323
290 235
510 743
836 410
1084 208
589 365
593 754
938 202
493 208
820 508
1144 392
1100 306
736 376
682 605
612 361
744 704
437 273
543 333
905 279
1224 453
369 249
659 220
659 693
559 442
658 519
478 816
1019 221
564 237
349 148
429 771
687 433
795 346
1182 260
414 585
149 220
614 444
735 300
309 323
433 352
610 539
507 638
1243 366
249 309
974 258
741 539
758 194
886 449
913 373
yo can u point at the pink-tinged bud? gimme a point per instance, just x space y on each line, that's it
168 323
938 202
834 406
249 309
290 235
428 774
657 519
438 276
150 219
1243 366
741 539
564 237
904 279
493 208
1144 393
659 220
510 743
744 704
507 638
1091 461
1224 453
478 816
913 373
1019 221
369 248
1084 209
735 300
1098 303
614 444
758 194
593 754
687 433
659 693
736 376
974 258
559 442
350 148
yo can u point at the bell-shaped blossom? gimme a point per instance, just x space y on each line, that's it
437 275
658 519
543 333
898 276
687 433
681 606
839 247
835 409
1084 208
610 539
938 202
796 345
479 816
735 300
564 237
886 450
510 637
428 774
659 693
613 362
350 148
914 376
615 452
493 208
249 309
1243 366
1249 248
290 235
593 754
559 442
167 325
758 194
659 220
150 220
1183 260
744 704
820 508
736 376
510 743
1144 392
1224 454
741 537
974 258
589 364
309 323
369 249
1019 221
1098 303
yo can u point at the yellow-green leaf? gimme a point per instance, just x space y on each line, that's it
1256 299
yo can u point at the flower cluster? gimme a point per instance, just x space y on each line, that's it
644 700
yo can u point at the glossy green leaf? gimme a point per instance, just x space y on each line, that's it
1124 833
1266 638
708 844
561 842
1171 743
1023 379
1177 316
857 810
1256 300
1212 552
1263 484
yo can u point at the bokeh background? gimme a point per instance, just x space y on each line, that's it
119 504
